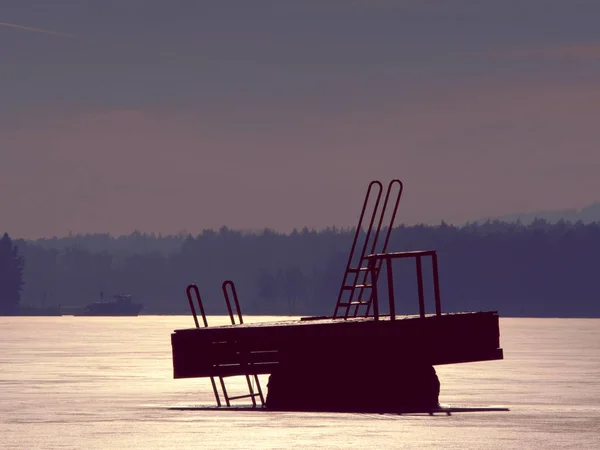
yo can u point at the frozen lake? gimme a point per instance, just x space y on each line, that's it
98 383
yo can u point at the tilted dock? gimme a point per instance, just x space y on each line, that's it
324 363
259 348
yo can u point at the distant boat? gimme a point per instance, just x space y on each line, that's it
121 306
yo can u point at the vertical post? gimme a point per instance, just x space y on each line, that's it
390 277
214 386
224 391
372 265
258 388
420 287
436 284
251 391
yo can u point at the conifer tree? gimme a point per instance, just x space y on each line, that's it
11 276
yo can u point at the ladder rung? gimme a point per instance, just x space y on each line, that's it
358 269
237 397
353 303
357 286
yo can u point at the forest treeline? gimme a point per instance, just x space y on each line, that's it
536 270
11 276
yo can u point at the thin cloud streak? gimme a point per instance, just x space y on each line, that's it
576 51
36 30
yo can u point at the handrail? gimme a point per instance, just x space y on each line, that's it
235 300
359 275
390 225
372 221
193 289
368 197
188 291
392 218
238 312
363 252
388 257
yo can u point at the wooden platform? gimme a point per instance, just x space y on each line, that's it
260 347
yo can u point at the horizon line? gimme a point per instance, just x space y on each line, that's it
257 231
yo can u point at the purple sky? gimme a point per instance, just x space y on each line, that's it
183 115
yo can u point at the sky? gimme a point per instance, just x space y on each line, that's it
123 115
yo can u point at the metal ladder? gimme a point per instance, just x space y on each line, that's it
356 290
252 395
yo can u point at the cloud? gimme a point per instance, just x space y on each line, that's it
37 30
578 51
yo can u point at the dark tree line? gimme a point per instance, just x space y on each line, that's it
541 269
11 276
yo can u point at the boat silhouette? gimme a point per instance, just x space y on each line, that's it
122 305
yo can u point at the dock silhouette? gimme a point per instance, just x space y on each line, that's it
357 359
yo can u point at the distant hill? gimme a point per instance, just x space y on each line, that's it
589 214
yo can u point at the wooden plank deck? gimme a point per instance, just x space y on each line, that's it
258 348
